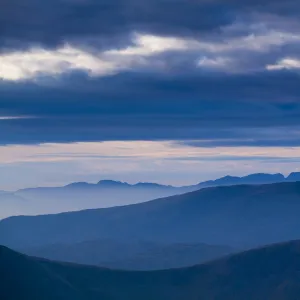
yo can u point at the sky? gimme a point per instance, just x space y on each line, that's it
170 91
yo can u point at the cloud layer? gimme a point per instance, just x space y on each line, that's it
166 162
205 71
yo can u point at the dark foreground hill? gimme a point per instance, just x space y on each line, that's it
237 216
138 255
270 273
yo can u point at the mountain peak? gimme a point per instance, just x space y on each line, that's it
150 185
256 178
265 175
294 176
110 183
229 177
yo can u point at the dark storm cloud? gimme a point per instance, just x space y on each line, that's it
212 109
53 22
195 95
242 104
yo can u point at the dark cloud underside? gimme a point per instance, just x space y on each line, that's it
51 23
178 101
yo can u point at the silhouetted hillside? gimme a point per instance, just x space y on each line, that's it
270 273
258 178
239 216
22 278
134 255
295 176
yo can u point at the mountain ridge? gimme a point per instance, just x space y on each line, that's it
239 216
78 196
266 273
255 177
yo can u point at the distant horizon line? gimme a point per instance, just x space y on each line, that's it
149 182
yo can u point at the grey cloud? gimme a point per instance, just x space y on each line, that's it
155 107
264 159
178 101
52 23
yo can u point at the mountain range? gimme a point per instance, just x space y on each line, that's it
175 238
269 273
78 196
241 216
108 193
